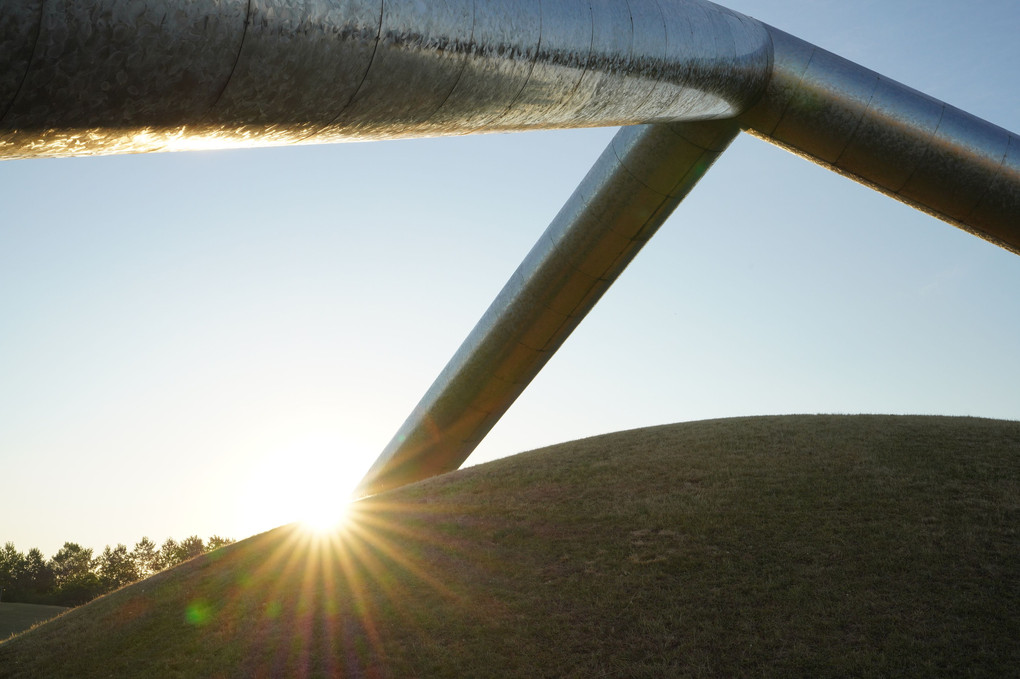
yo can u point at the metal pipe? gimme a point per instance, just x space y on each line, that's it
892 138
839 114
82 77
631 190
114 76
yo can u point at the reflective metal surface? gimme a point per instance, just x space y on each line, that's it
19 27
105 74
300 63
904 143
114 76
634 186
82 77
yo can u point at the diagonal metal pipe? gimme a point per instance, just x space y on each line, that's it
631 190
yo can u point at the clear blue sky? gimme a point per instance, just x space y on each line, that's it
199 343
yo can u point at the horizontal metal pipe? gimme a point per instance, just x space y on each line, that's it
890 137
111 76
632 189
81 77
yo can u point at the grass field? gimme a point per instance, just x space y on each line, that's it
807 546
15 618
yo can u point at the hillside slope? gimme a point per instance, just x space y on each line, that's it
805 546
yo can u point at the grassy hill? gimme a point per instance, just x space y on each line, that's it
805 546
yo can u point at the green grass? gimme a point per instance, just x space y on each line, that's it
15 618
807 546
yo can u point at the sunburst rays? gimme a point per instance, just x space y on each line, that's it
313 603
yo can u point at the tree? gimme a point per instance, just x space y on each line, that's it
169 554
145 557
215 542
70 562
116 568
191 547
12 567
73 576
25 578
74 572
173 553
39 580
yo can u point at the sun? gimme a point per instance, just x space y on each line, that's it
308 482
324 516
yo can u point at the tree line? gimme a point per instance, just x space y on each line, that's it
74 576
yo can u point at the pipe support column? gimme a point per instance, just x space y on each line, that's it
632 189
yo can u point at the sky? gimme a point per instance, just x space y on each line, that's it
214 342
